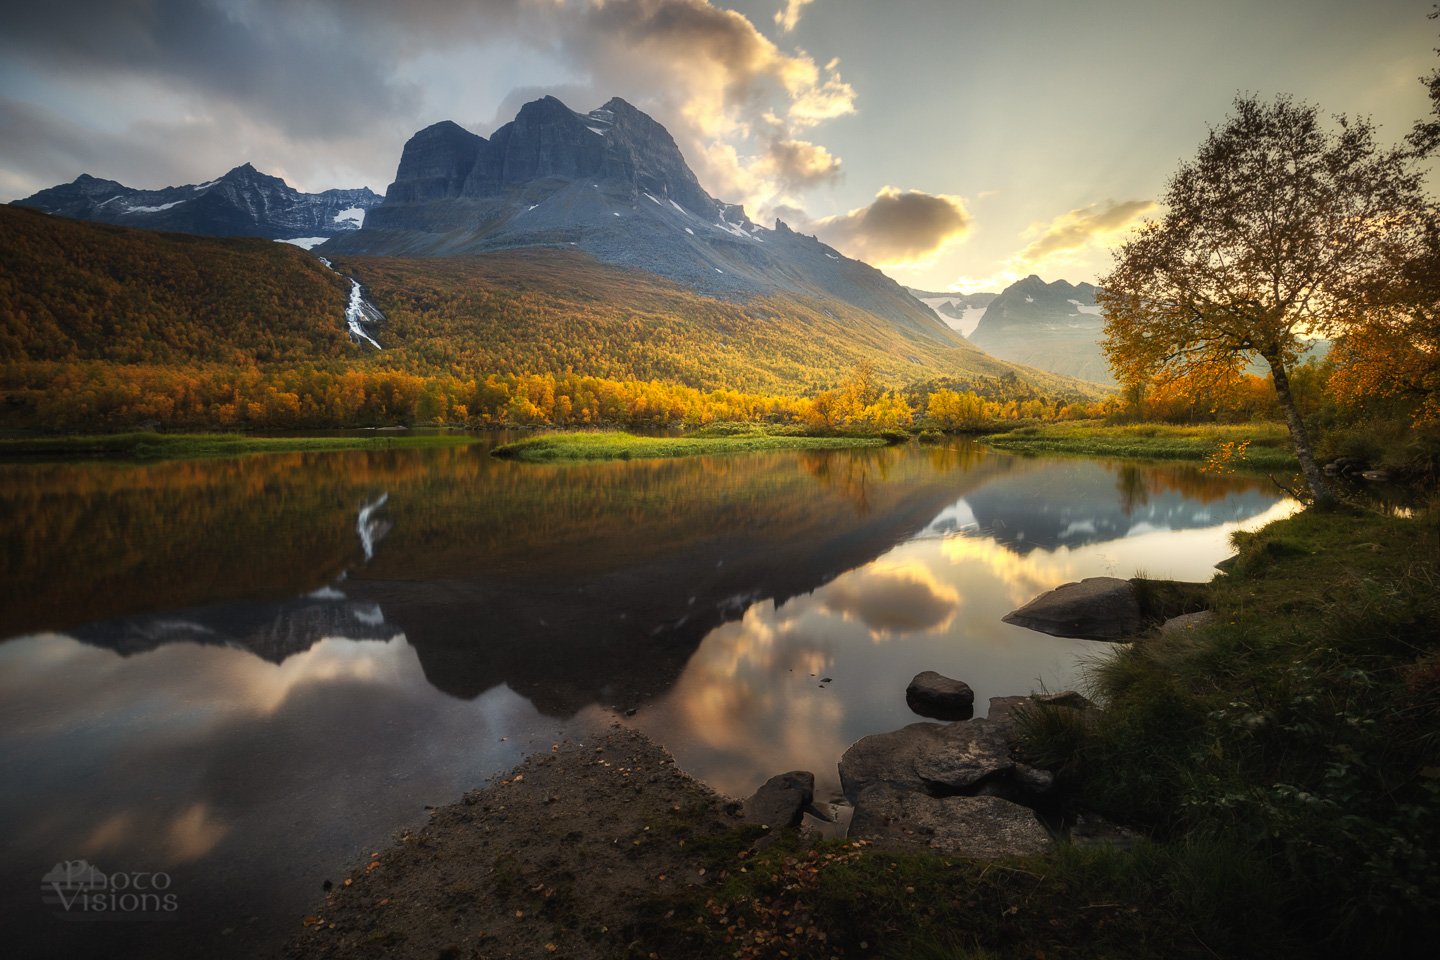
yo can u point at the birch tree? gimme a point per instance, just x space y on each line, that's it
1266 238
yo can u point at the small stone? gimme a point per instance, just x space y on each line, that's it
939 697
781 800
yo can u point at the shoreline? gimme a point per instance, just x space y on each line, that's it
547 859
146 446
589 446
1269 443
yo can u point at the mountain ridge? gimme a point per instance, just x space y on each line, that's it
243 202
1054 326
613 184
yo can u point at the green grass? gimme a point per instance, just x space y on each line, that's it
607 445
821 899
177 446
1302 727
1269 442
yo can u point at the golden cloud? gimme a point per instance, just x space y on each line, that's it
1082 226
787 18
899 228
798 164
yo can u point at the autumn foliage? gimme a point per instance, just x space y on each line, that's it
108 328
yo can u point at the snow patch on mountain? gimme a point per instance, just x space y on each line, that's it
304 243
163 206
351 215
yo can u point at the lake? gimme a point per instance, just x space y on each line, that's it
237 676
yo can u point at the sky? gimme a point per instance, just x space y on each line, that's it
957 144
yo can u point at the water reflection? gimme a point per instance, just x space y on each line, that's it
752 700
241 670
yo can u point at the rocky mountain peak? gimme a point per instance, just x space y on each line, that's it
612 184
1055 326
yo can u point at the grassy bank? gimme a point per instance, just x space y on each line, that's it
1269 447
176 446
558 447
1283 763
1296 740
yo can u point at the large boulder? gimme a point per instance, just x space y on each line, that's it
976 827
781 800
939 697
1097 608
936 758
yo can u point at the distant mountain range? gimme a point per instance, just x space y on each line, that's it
961 311
1054 326
1050 326
242 203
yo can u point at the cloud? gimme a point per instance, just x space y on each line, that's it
734 101
892 599
325 92
898 228
788 16
798 164
1082 226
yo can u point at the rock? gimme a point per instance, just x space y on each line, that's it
976 827
1064 698
435 163
1097 608
933 757
1186 623
1376 476
781 800
939 697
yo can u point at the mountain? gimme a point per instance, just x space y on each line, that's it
110 299
242 203
610 183
959 311
1053 326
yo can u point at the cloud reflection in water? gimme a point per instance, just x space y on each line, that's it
751 702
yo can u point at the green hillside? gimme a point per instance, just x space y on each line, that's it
549 311
81 291
109 328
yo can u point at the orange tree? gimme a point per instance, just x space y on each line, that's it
1395 353
1267 238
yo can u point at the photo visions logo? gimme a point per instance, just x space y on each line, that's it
79 890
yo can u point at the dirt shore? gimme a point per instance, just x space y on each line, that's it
550 860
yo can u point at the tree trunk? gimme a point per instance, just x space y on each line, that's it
1299 439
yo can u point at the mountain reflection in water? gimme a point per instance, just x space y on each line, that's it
242 670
